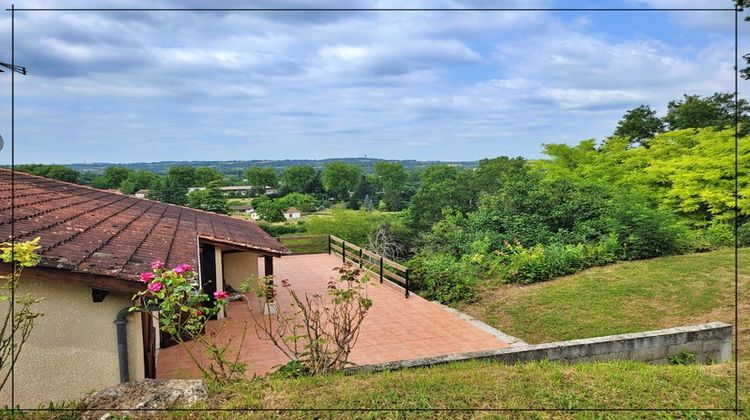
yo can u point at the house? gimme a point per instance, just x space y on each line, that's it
292 213
95 244
248 210
141 193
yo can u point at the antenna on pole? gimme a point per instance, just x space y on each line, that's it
12 67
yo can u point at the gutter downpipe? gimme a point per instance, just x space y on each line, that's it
121 321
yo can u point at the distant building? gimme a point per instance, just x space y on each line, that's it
237 190
248 210
292 213
141 194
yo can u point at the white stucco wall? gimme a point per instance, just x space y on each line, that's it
238 266
73 348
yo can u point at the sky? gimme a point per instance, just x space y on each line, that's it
155 86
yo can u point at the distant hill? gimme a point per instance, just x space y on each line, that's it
234 167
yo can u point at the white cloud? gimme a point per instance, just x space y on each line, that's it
248 85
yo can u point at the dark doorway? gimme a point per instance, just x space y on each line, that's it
208 271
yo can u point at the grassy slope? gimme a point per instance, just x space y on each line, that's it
485 385
621 298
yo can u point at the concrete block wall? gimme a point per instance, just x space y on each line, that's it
710 343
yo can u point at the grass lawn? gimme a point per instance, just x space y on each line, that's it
621 298
484 385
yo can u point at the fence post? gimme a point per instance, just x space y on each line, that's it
329 244
343 251
360 258
381 270
406 276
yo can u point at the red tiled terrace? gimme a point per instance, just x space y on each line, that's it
396 328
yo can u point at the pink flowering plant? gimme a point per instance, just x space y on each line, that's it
183 311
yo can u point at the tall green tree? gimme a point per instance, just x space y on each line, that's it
364 189
299 179
209 199
391 178
339 178
139 180
492 174
205 175
717 110
640 124
173 186
745 72
442 188
59 172
270 210
261 177
304 202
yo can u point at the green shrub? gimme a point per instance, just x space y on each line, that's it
519 264
682 358
719 234
279 230
604 252
538 263
743 234
643 231
443 278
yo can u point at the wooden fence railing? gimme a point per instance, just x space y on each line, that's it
377 265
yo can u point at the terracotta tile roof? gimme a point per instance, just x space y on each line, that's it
93 231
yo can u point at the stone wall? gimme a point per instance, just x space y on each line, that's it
710 343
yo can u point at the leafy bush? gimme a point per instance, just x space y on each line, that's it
682 358
538 263
519 264
643 231
442 277
279 230
304 202
606 251
743 234
719 234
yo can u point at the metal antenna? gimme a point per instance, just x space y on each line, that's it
17 69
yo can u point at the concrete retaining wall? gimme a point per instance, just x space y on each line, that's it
710 342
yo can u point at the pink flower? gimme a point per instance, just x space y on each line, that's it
182 268
198 312
155 286
147 276
220 295
157 265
